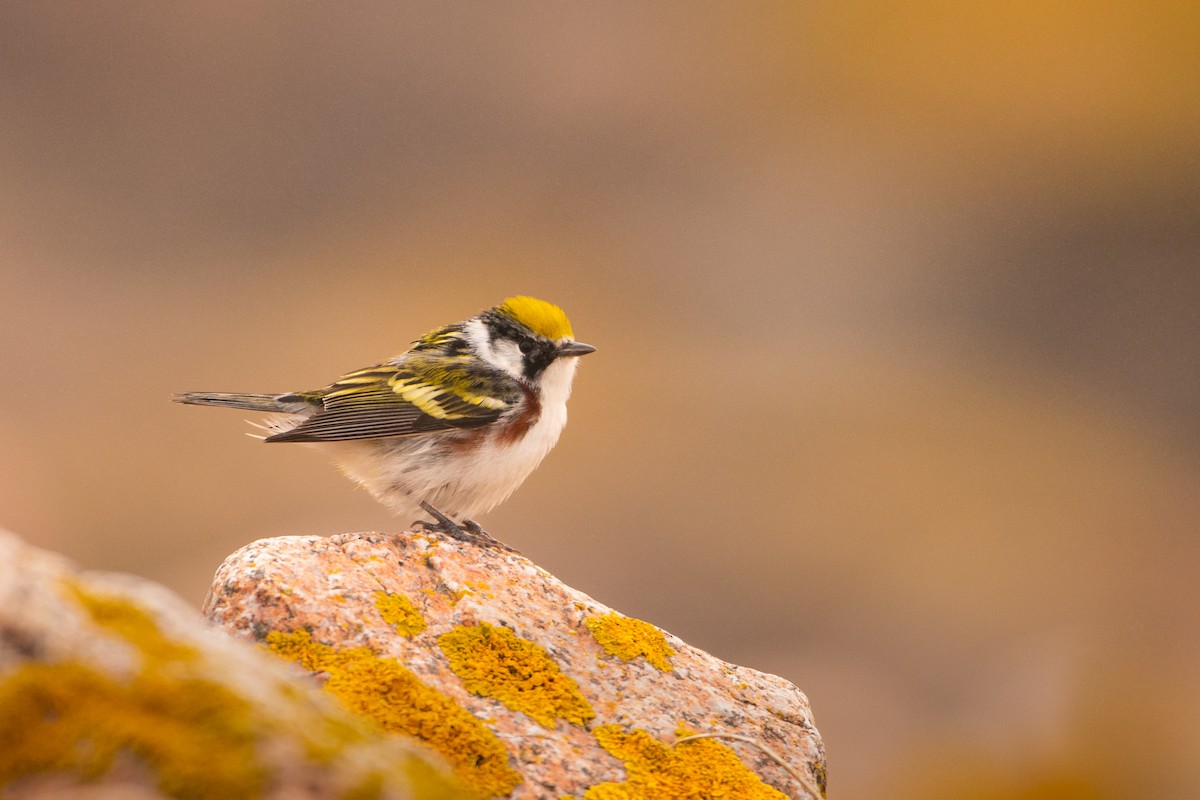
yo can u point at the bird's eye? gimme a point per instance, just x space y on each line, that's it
526 346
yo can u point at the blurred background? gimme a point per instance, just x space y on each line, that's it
898 384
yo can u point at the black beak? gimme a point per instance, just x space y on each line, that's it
573 349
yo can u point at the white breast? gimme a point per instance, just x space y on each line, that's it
462 483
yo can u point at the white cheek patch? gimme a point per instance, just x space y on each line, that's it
507 356
503 354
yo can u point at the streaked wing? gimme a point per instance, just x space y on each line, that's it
389 401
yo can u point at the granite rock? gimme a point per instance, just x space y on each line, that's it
527 686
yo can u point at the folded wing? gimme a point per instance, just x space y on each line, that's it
418 396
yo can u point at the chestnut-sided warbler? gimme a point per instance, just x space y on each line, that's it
451 426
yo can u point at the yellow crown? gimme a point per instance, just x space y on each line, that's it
544 319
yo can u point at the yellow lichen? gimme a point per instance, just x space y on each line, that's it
495 662
703 768
399 612
628 638
129 621
369 788
197 736
384 690
428 782
474 587
612 791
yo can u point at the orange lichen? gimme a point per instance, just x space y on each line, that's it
399 612
384 690
703 768
495 662
628 638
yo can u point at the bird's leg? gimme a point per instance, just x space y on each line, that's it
473 533
443 524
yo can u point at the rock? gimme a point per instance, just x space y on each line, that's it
525 685
111 687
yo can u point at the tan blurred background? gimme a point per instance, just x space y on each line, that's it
897 388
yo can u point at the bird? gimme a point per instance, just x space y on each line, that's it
452 426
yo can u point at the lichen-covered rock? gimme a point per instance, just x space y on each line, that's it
525 685
111 687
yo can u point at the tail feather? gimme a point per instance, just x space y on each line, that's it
284 403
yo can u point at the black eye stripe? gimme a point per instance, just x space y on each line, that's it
537 353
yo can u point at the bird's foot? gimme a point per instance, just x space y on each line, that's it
442 523
469 531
